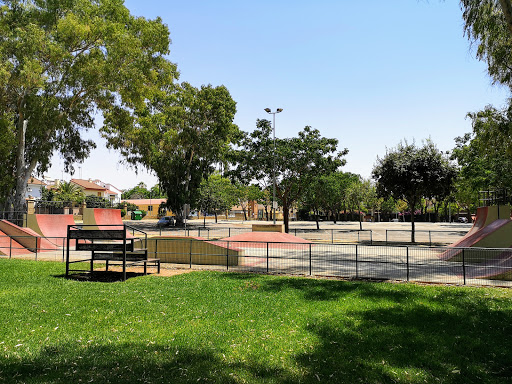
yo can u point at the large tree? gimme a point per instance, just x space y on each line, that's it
296 161
488 24
217 194
484 156
327 193
410 173
61 62
180 134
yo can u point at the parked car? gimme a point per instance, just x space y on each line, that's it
165 221
463 220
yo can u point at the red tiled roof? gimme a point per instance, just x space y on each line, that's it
35 181
86 184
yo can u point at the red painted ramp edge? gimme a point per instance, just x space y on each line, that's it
9 246
55 227
275 240
473 239
490 268
27 237
107 216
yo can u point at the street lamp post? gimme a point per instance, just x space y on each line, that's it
278 110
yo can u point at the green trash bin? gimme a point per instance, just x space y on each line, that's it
137 215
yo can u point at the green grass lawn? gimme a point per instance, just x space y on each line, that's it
244 328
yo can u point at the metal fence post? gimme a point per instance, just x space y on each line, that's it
156 248
267 256
63 253
357 266
332 236
464 266
37 238
190 254
407 261
358 233
430 238
10 247
386 237
371 237
310 262
227 257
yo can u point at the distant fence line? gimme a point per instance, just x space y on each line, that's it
475 266
331 235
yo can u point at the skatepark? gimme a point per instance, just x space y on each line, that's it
379 251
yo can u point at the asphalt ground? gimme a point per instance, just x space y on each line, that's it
342 231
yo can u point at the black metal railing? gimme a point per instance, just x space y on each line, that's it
448 265
429 237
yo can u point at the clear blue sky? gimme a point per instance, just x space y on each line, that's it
368 73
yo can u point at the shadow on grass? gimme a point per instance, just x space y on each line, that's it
321 290
413 344
132 363
100 276
402 333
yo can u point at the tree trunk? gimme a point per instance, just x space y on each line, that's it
23 172
215 217
245 214
360 220
316 217
413 240
411 209
286 215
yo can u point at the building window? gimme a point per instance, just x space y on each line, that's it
99 194
150 208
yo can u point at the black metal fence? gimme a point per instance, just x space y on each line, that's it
448 265
422 236
55 207
476 266
15 217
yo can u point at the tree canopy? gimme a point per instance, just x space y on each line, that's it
410 173
488 24
180 135
61 63
296 161
216 194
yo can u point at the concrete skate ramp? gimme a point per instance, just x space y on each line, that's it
11 247
53 227
27 237
96 217
275 240
499 267
195 250
492 229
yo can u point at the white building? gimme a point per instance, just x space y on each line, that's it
34 187
92 188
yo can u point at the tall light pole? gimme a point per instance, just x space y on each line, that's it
274 203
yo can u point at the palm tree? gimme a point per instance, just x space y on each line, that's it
69 193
